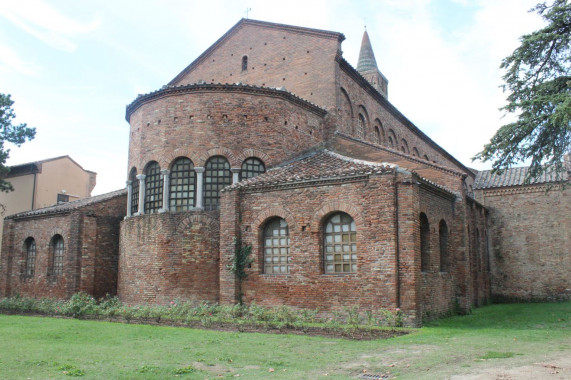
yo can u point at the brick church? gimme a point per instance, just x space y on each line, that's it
271 138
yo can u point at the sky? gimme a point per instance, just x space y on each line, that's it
73 66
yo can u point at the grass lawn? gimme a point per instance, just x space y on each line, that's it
493 338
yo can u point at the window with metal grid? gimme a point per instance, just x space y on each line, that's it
424 243
134 191
217 175
182 185
30 257
153 188
276 247
340 244
252 167
58 254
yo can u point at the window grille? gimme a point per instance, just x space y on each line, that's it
251 167
153 188
182 185
217 175
276 247
340 244
30 257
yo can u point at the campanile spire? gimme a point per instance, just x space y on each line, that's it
367 67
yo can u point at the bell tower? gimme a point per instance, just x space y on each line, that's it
367 67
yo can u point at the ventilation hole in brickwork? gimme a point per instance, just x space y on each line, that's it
230 74
253 67
190 117
231 55
212 80
225 117
148 124
209 116
303 228
250 48
175 119
285 122
159 121
296 127
283 78
283 59
265 64
305 74
266 118
284 37
311 93
213 60
311 133
308 52
245 116
263 84
265 43
247 228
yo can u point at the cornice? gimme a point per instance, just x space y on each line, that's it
525 189
365 85
301 184
219 87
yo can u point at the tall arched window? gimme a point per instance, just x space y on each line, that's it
361 125
392 139
153 187
377 135
30 246
424 243
444 256
57 248
404 146
415 152
182 185
245 63
134 191
340 245
217 175
251 167
276 247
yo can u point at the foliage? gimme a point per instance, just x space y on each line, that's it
538 82
509 336
15 134
240 262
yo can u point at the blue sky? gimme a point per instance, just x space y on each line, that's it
73 66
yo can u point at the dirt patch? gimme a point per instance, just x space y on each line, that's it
553 368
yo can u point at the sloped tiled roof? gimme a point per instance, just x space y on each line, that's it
69 206
317 166
514 177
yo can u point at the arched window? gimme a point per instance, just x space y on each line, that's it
404 146
361 125
245 63
182 185
377 135
392 139
340 244
424 243
252 167
57 253
415 152
217 175
425 157
346 111
276 247
30 246
443 237
153 187
134 191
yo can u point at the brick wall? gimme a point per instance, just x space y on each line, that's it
530 242
236 124
169 256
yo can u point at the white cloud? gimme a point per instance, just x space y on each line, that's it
11 61
44 22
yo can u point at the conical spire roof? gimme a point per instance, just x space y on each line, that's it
367 60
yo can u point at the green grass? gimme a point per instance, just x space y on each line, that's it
514 335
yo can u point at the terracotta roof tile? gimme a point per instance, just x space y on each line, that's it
70 206
315 166
514 177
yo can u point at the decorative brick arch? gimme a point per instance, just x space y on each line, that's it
331 207
271 212
221 151
54 232
169 159
246 153
186 223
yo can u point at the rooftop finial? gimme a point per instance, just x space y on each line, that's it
248 10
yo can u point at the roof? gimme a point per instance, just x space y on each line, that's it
63 208
296 29
34 166
516 177
367 59
317 166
